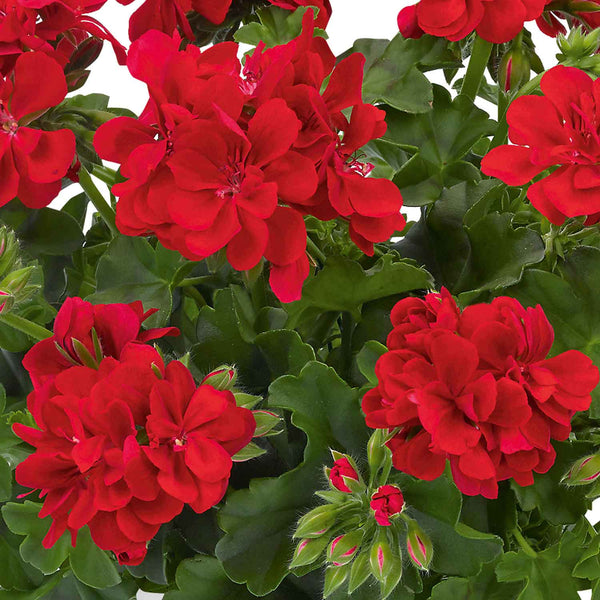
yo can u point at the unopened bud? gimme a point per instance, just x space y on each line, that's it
382 560
360 571
9 248
334 578
344 547
266 421
16 281
316 522
7 301
222 378
307 551
419 546
377 452
514 70
583 471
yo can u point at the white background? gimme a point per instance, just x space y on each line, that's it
351 19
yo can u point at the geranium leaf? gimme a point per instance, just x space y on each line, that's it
92 566
258 522
5 481
131 269
343 285
23 519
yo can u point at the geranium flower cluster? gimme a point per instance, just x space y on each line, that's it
167 15
58 29
32 162
560 128
550 24
475 388
228 159
496 21
123 442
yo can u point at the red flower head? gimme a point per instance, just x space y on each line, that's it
549 21
565 134
87 460
193 434
83 331
342 468
386 502
476 388
32 162
496 21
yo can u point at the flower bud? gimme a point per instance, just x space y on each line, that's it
360 572
16 281
382 560
514 70
9 249
342 471
334 578
307 551
583 471
419 546
266 421
7 301
386 502
222 378
316 522
377 452
343 548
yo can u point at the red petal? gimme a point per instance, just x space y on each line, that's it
511 164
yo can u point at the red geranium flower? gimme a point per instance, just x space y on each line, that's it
193 434
103 329
386 502
549 21
324 7
476 388
496 21
32 162
564 133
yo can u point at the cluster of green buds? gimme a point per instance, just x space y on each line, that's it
223 378
580 49
18 281
585 471
361 532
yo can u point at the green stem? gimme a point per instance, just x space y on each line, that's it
524 544
33 330
105 174
315 250
476 69
97 199
346 329
188 281
193 293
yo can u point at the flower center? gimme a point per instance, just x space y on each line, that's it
353 165
180 442
233 174
7 121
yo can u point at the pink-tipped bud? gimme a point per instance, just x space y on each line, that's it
343 548
6 301
419 546
386 502
381 558
316 522
266 421
342 471
584 471
307 551
222 378
514 70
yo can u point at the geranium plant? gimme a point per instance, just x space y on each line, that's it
235 366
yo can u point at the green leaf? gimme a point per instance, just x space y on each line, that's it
556 502
439 140
23 519
5 481
271 354
343 285
15 574
259 521
483 586
277 26
43 231
131 269
490 253
436 506
367 358
548 575
92 566
393 75
571 301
